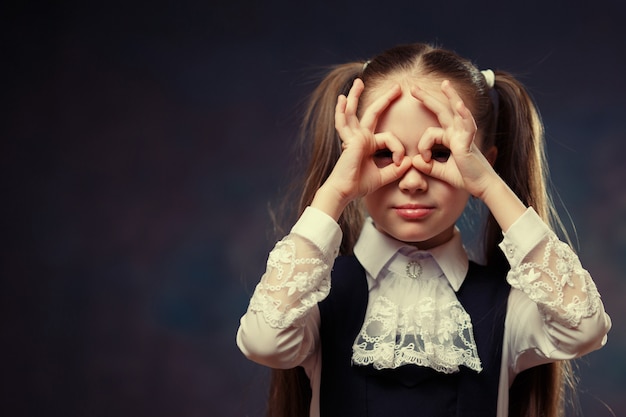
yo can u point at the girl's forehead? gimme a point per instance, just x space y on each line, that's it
429 83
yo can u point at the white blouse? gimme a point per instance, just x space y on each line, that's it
554 311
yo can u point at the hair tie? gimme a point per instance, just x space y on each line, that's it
490 77
365 64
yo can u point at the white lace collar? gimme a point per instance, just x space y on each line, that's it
374 250
413 316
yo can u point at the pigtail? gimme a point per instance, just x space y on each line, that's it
290 392
321 138
521 162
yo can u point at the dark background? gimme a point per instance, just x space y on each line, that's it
142 143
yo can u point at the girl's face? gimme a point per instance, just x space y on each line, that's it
416 208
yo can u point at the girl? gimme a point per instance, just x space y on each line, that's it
411 327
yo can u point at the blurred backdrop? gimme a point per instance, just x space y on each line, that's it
143 143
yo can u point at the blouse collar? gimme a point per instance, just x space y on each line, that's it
375 250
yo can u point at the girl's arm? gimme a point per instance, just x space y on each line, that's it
280 327
544 268
550 275
558 312
555 309
561 315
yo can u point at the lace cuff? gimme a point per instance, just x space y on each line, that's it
298 271
549 272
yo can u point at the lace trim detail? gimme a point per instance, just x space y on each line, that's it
414 318
436 336
292 283
552 276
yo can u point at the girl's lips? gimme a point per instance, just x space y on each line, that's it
413 211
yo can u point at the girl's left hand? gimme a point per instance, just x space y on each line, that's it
466 167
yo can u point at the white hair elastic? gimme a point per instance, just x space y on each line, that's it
490 77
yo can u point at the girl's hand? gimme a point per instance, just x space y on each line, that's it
449 152
359 170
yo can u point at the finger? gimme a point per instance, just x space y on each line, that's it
387 140
425 167
341 104
441 109
431 168
340 114
392 172
352 101
446 172
432 135
458 106
372 113
451 94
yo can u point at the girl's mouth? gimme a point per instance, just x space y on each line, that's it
413 211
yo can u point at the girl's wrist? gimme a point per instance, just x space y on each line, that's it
330 201
503 203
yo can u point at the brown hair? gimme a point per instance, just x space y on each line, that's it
508 119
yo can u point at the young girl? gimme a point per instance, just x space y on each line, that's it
402 323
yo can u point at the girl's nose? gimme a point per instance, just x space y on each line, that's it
413 181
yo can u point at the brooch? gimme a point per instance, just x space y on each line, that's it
414 269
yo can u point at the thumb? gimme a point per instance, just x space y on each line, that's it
421 165
392 171
444 171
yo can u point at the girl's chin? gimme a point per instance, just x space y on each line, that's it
420 240
410 238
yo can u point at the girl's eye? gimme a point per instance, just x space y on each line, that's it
383 157
440 153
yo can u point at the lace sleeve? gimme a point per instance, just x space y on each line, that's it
549 272
298 271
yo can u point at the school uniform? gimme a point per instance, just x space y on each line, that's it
369 349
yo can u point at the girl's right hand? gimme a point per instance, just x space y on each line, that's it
358 171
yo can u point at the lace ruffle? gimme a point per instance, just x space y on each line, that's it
416 320
292 283
552 276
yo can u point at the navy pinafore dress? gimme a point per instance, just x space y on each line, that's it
410 390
